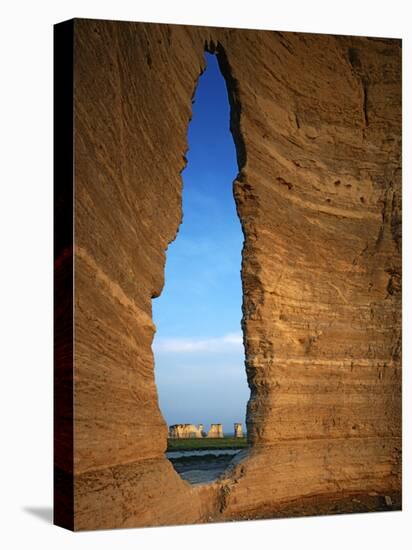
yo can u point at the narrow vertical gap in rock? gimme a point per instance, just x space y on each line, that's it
198 347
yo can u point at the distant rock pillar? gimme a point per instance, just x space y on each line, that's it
237 432
216 430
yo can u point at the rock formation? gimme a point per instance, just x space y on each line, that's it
185 431
316 121
237 430
216 430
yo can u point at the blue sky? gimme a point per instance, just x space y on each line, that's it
199 355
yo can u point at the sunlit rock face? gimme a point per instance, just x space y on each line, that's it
317 124
216 430
185 431
237 430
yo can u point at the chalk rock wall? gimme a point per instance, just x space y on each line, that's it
184 431
317 125
237 430
216 430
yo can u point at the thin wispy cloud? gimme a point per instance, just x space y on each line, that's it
227 343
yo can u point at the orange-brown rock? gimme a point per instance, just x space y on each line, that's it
316 121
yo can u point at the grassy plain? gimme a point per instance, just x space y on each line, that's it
206 443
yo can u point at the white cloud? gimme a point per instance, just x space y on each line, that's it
228 342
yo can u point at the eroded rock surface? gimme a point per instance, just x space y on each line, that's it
317 124
185 431
237 430
216 430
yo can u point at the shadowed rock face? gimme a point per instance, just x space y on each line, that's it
317 125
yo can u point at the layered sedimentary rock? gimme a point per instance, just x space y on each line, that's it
316 121
237 430
185 431
216 430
